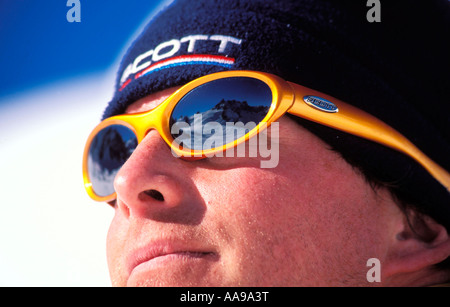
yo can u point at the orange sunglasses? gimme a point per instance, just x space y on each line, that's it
230 96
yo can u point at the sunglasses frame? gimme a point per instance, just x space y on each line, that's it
286 97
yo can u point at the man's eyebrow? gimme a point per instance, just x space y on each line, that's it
144 106
150 102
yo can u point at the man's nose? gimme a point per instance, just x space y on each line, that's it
151 180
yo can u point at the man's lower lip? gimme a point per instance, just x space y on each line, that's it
174 258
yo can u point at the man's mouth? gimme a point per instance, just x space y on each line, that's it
160 254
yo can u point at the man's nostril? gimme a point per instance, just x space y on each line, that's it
154 194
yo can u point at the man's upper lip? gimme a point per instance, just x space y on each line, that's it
161 248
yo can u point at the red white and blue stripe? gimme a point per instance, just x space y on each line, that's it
197 59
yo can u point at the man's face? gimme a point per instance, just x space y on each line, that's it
224 221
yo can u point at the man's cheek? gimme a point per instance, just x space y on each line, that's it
114 249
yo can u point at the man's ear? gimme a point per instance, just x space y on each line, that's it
419 244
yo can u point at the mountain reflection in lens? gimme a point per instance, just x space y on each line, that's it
109 150
232 100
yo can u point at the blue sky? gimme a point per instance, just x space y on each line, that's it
39 46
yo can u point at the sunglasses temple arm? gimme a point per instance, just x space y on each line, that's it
359 123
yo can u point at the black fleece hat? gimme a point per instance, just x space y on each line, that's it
396 69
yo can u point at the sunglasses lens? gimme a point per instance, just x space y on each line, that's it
219 112
109 150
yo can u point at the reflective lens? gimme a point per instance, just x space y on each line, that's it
219 112
109 150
